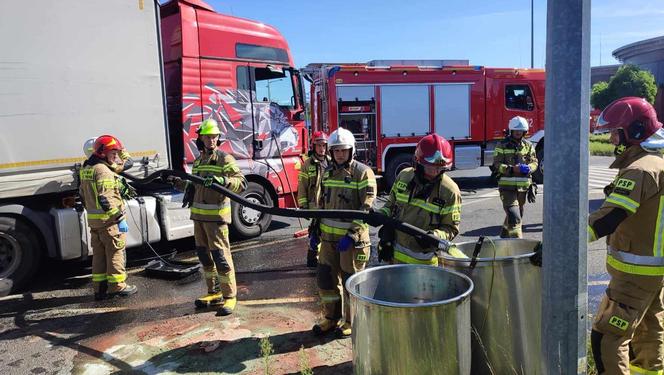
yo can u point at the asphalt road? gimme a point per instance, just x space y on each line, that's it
56 328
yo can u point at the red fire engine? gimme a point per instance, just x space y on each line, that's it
389 105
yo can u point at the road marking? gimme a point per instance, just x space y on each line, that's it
277 301
598 282
263 244
469 202
599 177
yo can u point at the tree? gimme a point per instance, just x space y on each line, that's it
598 97
629 80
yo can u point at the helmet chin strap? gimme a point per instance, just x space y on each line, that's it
622 144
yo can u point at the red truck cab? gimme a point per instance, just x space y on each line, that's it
241 73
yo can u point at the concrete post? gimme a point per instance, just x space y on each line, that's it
565 296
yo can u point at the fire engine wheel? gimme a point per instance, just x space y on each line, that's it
19 251
396 165
538 176
249 223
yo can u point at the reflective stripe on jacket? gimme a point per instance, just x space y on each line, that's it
100 192
309 185
352 187
636 246
434 207
509 153
208 205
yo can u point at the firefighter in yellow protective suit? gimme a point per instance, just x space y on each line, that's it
514 160
100 190
425 197
211 213
345 248
628 330
309 189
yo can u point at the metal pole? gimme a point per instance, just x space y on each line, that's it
532 34
565 296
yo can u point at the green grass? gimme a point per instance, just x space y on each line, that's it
600 145
601 149
600 138
590 368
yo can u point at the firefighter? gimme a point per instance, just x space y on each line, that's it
627 336
425 197
101 196
347 185
514 160
309 189
211 213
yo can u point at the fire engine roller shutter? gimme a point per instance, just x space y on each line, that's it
404 109
452 110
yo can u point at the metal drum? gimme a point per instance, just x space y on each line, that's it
410 319
506 305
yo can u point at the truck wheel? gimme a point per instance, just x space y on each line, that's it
538 175
19 251
246 222
396 165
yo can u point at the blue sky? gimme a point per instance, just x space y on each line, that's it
491 33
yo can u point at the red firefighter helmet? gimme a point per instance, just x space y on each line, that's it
318 137
635 116
434 150
105 143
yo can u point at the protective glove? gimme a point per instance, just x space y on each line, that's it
210 180
386 233
122 226
188 197
536 259
426 242
173 180
524 169
127 191
344 243
314 241
532 193
104 203
385 251
608 189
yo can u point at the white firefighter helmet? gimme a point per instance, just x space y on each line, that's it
518 123
88 147
342 139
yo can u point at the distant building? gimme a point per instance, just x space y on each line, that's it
647 54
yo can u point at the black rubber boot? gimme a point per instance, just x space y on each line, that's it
312 258
103 290
125 292
209 300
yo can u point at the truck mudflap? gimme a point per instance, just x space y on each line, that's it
372 218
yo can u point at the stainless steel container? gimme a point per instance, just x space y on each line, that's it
410 319
506 305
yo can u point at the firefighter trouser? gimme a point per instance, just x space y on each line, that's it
629 324
108 258
214 251
334 268
513 202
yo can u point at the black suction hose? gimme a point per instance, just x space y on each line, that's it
372 218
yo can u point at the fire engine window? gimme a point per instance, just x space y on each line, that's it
254 52
355 93
519 97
